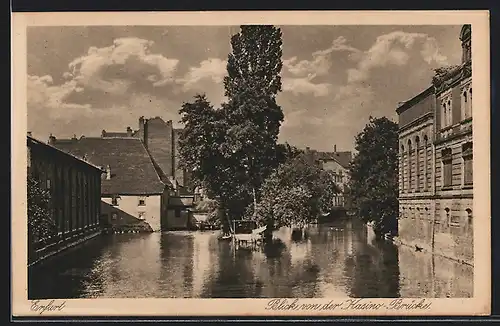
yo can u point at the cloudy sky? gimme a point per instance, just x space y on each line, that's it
85 79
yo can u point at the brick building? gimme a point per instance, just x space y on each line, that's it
74 185
435 162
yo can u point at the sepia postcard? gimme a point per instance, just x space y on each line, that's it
299 163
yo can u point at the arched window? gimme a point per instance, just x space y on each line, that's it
402 167
417 163
447 215
444 119
469 215
470 103
425 161
409 165
448 119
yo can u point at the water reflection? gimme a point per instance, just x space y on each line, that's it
341 259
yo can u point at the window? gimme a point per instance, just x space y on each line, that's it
447 167
467 161
417 162
402 167
466 102
470 104
447 114
425 162
142 201
447 214
409 165
177 212
469 216
468 170
453 220
447 173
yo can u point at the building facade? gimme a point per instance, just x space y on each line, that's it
131 189
74 186
144 180
435 162
337 162
161 141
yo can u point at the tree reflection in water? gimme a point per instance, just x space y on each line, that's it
340 259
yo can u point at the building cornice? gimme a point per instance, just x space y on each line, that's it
447 77
417 121
417 98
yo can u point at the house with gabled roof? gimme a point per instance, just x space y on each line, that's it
131 186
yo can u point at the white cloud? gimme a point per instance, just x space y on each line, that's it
211 69
42 95
320 64
131 54
395 49
305 85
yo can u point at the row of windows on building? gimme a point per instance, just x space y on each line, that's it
447 107
77 211
422 152
467 166
141 201
451 219
446 161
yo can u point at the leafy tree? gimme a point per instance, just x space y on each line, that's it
40 221
373 186
202 150
231 150
295 194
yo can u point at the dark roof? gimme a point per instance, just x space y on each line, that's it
111 134
343 158
132 171
31 140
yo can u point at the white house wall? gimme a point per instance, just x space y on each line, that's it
151 211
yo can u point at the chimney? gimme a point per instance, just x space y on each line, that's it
142 131
335 148
29 133
108 172
74 137
52 139
129 132
103 133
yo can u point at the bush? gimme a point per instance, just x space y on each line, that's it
41 223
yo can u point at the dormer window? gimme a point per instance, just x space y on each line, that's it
142 201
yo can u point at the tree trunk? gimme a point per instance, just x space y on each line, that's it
254 202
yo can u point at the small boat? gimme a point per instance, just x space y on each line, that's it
247 232
225 237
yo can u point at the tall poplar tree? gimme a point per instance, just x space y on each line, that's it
232 149
253 115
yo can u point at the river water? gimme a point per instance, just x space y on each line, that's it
336 260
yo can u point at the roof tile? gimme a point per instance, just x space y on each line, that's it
132 171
